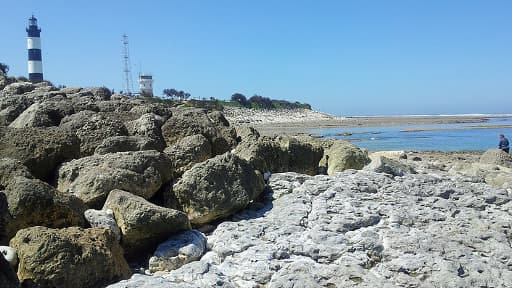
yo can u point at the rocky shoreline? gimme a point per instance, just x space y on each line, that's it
103 190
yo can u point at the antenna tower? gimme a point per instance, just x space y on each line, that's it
127 74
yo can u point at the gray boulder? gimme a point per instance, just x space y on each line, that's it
496 157
143 224
19 88
126 143
40 150
381 164
148 125
192 121
92 178
70 257
92 129
187 152
32 202
178 250
343 155
217 188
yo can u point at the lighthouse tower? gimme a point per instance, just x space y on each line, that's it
35 64
146 85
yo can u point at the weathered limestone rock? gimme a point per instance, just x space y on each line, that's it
395 155
45 114
126 143
188 151
33 202
11 106
92 129
92 178
103 219
70 257
8 278
10 255
496 157
344 155
264 154
303 157
381 164
148 125
10 168
143 224
41 150
192 121
217 187
178 250
358 229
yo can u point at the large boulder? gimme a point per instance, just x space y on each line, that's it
70 257
281 154
126 143
178 250
148 125
8 278
187 152
191 121
143 224
92 129
11 106
303 156
92 178
217 187
33 202
10 168
343 155
381 164
496 157
41 150
45 114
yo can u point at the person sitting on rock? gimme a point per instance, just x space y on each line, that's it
504 146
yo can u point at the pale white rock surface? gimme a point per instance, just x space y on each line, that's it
103 218
9 254
358 229
179 249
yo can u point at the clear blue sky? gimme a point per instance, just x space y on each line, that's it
344 57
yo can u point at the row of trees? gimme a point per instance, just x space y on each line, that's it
260 102
175 94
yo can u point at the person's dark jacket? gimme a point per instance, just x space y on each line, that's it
503 144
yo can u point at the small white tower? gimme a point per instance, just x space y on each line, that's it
146 85
35 64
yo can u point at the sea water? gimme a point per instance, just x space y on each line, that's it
391 138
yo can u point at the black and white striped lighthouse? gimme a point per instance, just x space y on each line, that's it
35 64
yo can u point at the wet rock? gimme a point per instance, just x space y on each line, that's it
70 257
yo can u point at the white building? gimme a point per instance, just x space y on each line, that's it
146 85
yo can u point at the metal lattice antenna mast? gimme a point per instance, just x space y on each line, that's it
127 74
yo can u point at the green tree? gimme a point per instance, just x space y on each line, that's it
4 68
